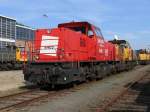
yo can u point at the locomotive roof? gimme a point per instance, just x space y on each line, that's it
71 24
142 51
118 41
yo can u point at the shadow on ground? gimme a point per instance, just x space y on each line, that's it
143 98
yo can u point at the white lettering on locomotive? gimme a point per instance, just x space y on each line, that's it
49 45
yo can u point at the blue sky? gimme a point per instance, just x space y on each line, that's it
129 19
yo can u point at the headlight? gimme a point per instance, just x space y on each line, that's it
36 57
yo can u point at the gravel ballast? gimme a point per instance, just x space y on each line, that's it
89 95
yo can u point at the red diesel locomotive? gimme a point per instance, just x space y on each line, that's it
73 52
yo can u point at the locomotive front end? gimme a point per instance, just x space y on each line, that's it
51 57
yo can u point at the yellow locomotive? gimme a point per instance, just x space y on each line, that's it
21 54
123 50
22 50
143 56
124 54
127 53
14 56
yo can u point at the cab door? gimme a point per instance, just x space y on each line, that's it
100 44
91 44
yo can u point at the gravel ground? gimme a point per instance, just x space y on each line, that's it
88 95
10 80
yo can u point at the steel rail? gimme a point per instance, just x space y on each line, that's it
22 98
120 95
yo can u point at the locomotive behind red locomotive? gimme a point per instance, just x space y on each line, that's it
73 52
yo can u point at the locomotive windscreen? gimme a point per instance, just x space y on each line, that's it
78 29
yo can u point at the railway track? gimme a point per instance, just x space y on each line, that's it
23 98
123 98
135 97
20 100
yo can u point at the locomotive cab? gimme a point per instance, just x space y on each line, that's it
93 38
83 27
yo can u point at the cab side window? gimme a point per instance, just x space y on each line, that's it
98 33
90 33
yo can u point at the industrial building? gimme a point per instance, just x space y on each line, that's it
12 31
24 32
7 32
